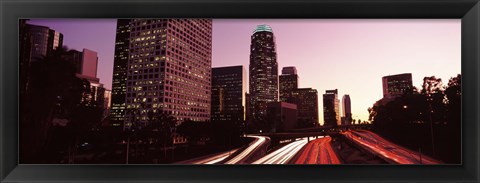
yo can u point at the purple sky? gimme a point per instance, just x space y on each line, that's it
348 55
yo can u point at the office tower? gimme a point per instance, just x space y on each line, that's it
248 102
169 69
347 110
90 63
263 72
96 96
288 82
281 116
55 40
107 103
306 100
85 62
331 112
24 45
120 67
43 41
228 88
396 85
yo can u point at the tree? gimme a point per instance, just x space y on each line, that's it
431 85
194 130
422 119
160 129
53 89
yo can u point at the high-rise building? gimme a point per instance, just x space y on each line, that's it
228 88
55 40
96 96
43 41
85 62
281 116
90 63
248 101
288 82
306 100
263 72
347 110
120 67
24 45
107 103
169 69
396 85
331 108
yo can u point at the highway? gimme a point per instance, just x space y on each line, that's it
252 148
318 151
210 159
235 156
284 154
387 149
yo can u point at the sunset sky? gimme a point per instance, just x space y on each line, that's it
349 55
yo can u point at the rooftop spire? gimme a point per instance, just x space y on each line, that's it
261 28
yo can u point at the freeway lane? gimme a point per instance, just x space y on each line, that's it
252 149
235 156
210 159
284 154
318 151
388 149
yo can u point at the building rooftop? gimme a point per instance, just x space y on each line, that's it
262 28
289 70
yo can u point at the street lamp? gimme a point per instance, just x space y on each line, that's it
430 99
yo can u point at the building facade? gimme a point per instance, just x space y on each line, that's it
107 103
288 82
263 80
43 41
228 87
169 69
306 100
85 62
89 63
396 85
331 108
120 67
347 110
281 117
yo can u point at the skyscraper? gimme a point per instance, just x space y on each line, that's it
331 110
347 110
228 89
120 65
90 63
396 85
281 116
288 83
43 41
306 100
85 62
55 40
263 72
169 69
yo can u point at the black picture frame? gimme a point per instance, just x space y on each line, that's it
466 10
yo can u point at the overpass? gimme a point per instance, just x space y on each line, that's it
292 135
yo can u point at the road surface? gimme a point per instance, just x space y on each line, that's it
318 151
252 149
284 154
387 149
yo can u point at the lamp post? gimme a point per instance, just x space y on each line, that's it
430 99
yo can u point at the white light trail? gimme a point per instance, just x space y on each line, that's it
284 154
259 140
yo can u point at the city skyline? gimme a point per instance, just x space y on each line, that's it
370 49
